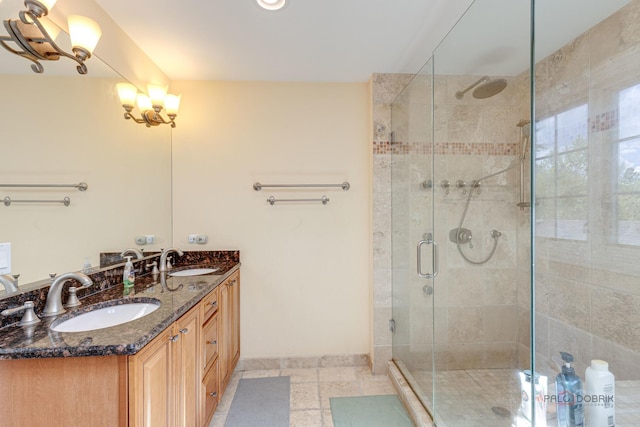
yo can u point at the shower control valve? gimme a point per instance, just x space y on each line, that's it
461 184
445 184
461 236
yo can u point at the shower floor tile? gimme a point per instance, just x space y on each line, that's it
491 398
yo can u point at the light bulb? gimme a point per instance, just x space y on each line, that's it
127 93
144 102
48 4
172 104
157 94
84 32
271 4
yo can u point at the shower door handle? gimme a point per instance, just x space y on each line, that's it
436 261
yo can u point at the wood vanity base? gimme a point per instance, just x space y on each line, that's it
38 392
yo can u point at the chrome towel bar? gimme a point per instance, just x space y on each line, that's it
257 186
66 201
272 200
81 186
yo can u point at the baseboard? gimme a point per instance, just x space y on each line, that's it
327 361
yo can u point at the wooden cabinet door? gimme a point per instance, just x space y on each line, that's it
151 392
188 368
224 338
235 321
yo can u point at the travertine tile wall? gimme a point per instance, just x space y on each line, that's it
588 292
385 87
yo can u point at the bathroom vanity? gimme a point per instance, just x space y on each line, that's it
168 368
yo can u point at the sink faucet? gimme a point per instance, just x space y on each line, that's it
137 252
10 283
163 258
53 306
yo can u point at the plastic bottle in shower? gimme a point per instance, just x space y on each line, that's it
599 395
569 395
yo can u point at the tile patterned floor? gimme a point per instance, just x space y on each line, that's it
311 389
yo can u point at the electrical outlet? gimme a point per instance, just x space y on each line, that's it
192 238
201 239
141 240
151 239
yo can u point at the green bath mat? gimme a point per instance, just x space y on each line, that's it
369 411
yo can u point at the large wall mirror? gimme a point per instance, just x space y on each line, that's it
61 127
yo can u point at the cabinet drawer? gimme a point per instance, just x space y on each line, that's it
210 341
211 395
209 305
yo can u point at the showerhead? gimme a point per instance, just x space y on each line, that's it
486 89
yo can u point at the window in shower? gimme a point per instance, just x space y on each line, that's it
626 192
561 175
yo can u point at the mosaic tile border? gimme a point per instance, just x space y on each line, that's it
455 148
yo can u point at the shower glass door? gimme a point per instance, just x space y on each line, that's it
481 310
413 260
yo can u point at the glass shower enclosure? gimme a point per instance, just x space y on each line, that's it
515 198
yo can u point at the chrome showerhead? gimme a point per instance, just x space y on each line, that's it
486 89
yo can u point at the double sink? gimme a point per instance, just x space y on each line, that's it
117 312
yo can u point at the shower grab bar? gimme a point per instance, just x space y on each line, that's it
81 186
436 258
257 186
7 201
272 200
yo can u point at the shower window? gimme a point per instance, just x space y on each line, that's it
561 175
626 192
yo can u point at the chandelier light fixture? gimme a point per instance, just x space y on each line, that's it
150 106
27 37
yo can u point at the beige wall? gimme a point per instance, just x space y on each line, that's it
305 266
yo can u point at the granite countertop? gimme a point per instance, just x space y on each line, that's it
177 295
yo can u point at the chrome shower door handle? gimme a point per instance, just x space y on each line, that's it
436 258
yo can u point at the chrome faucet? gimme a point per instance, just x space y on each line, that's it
137 252
53 306
9 282
163 258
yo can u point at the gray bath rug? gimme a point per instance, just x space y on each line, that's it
260 402
369 411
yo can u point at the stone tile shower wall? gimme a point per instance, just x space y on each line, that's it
476 308
588 291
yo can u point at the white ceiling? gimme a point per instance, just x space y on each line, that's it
334 40
307 40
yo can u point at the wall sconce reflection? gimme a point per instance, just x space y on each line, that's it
150 106
34 39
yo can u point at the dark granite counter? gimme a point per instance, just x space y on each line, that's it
176 295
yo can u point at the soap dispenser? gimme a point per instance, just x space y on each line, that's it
129 275
569 395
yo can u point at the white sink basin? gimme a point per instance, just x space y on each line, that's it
106 317
193 272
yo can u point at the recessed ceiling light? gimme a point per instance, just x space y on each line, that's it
271 4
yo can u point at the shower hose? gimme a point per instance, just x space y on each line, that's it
494 233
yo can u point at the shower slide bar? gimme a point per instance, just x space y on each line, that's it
272 200
82 186
8 201
257 186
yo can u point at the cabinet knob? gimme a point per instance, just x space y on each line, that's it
174 338
212 342
213 394
184 330
214 303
